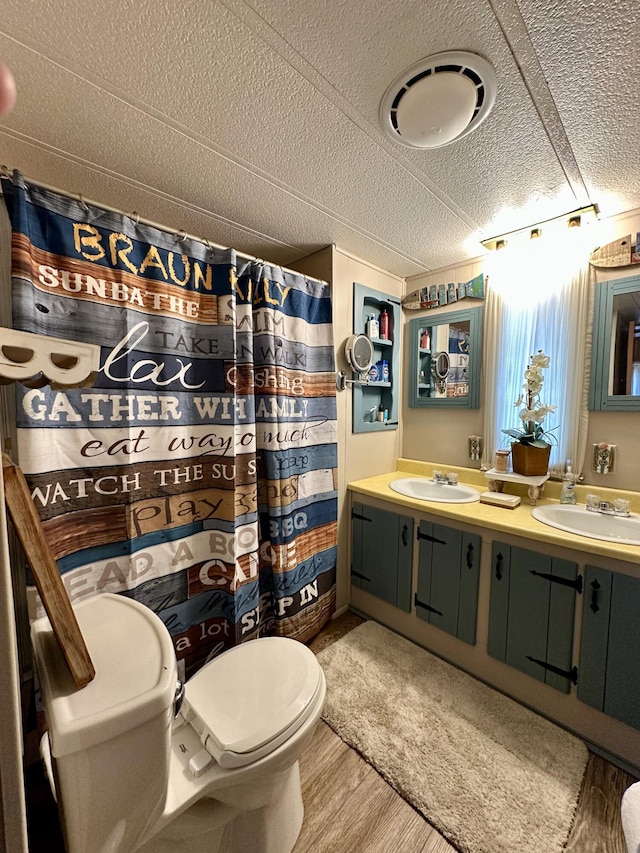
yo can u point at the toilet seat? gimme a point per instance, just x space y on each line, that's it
249 700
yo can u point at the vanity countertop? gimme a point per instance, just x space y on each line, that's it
517 522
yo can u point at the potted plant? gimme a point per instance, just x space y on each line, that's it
532 445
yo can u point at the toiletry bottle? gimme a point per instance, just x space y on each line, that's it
381 413
568 491
373 328
384 325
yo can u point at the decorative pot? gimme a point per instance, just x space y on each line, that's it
528 460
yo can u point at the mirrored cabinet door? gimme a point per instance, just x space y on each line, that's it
444 359
615 372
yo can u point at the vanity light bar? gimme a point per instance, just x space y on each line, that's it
573 219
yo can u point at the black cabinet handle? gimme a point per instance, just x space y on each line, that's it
595 586
499 559
405 530
469 556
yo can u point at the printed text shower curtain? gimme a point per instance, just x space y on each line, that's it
197 474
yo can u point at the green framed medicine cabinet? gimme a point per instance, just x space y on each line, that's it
615 370
444 359
375 401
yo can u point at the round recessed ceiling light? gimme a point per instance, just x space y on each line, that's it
438 100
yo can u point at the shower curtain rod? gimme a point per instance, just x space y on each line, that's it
159 227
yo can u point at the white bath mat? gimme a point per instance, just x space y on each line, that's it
490 775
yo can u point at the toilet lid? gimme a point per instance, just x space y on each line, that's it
252 697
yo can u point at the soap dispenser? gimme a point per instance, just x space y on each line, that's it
568 491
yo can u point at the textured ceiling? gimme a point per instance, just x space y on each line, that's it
255 124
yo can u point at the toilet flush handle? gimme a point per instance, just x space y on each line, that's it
177 701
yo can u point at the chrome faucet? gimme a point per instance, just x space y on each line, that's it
619 506
450 479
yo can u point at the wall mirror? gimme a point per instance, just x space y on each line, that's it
615 364
444 359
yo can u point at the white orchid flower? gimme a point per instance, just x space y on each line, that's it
531 411
540 360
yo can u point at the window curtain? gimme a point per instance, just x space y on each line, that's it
540 297
198 473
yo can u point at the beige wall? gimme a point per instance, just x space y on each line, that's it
442 434
359 454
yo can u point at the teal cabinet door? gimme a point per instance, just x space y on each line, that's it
531 613
609 661
448 575
382 552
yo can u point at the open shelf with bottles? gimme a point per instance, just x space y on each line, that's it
375 403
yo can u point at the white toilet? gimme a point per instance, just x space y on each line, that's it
222 776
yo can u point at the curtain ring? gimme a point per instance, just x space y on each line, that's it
83 203
135 217
181 236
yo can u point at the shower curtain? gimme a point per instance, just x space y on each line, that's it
198 473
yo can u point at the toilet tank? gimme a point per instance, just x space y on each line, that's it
110 740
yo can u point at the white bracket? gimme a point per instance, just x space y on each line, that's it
37 360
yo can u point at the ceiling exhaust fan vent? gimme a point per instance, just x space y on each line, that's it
438 100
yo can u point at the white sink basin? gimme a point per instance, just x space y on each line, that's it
594 525
426 490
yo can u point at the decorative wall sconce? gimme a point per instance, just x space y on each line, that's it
604 458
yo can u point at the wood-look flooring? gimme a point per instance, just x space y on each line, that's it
350 808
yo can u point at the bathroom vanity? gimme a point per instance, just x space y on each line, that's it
547 617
